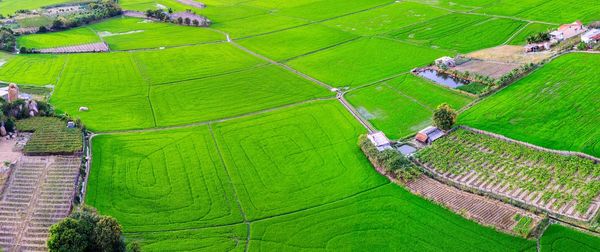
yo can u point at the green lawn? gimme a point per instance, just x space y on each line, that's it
363 61
230 95
562 239
133 33
460 32
76 36
295 42
403 105
554 107
386 19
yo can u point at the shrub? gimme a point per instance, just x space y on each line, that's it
390 161
7 40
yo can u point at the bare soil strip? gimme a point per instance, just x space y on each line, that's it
94 47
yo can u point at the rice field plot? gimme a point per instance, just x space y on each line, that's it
557 11
295 158
562 239
460 32
564 185
138 5
230 95
386 218
35 69
110 85
220 14
296 42
386 19
403 105
76 36
194 62
555 107
530 29
10 6
257 25
364 61
162 181
460 5
125 33
50 136
325 9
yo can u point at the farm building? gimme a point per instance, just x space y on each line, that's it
11 93
429 135
567 31
446 61
591 36
380 141
537 47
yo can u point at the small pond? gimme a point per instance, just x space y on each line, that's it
406 149
442 78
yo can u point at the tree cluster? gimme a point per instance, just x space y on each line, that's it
444 117
158 14
95 11
13 111
8 39
86 230
538 37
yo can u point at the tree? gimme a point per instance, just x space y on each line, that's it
108 234
187 21
582 46
134 247
66 236
180 20
444 117
57 24
195 22
42 29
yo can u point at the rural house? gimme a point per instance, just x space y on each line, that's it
567 31
591 37
445 61
380 141
537 47
429 134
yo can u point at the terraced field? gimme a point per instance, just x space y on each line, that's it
554 107
403 105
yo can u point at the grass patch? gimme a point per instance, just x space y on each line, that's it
562 239
554 107
50 136
403 105
363 61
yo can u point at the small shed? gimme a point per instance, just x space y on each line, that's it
446 61
380 141
429 135
537 47
591 37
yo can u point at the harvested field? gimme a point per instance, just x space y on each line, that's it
561 185
479 208
94 47
509 54
493 69
39 194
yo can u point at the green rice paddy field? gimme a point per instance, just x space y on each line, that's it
554 107
209 144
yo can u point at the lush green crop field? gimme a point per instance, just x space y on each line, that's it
557 11
230 95
33 69
533 28
386 218
460 5
133 33
561 239
295 42
554 107
363 61
463 33
403 105
256 25
188 63
389 18
77 36
324 9
10 6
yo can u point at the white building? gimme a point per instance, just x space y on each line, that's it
446 61
591 36
567 31
380 141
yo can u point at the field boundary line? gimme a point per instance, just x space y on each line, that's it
200 123
322 49
239 70
234 189
409 97
492 15
516 33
